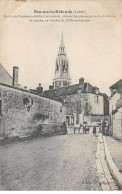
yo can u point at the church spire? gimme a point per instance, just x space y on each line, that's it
62 46
62 40
62 76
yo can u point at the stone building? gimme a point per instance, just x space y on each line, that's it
115 107
23 112
83 101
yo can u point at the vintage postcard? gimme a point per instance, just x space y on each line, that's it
60 95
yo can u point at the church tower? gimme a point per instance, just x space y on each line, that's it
62 77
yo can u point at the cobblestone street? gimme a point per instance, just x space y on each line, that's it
54 163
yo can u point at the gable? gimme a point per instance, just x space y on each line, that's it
4 76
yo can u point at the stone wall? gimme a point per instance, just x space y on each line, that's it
23 113
117 124
97 103
113 102
77 103
115 116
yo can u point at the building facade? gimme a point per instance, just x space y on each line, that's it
24 112
84 103
115 109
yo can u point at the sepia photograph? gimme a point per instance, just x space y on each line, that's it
60 95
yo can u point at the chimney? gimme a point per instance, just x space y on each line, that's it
15 76
96 90
39 89
81 83
50 87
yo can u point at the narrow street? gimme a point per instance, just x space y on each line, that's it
64 162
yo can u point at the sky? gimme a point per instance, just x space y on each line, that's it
93 48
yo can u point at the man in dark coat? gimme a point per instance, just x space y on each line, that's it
94 129
103 127
63 128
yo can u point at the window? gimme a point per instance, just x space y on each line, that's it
57 67
64 83
56 83
72 120
87 108
96 99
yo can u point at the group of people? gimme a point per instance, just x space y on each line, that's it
103 128
85 128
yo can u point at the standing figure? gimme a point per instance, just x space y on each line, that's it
107 129
100 128
84 128
110 130
64 128
103 127
61 127
94 129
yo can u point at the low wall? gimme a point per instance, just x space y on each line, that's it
23 113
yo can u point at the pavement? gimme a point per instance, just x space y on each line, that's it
106 179
65 162
113 149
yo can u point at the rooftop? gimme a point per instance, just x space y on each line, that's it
70 90
24 90
116 85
